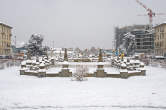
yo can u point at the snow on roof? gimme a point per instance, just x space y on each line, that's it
160 24
4 24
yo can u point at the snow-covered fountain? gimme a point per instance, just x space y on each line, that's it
125 67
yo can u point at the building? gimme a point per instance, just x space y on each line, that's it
138 41
144 41
160 40
135 39
5 39
119 33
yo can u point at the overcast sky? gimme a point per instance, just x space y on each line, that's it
75 23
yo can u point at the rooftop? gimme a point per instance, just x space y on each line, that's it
5 25
160 24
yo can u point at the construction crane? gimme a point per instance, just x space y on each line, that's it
151 14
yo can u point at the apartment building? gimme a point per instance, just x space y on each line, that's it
5 39
160 40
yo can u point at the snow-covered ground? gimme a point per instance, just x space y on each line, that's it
136 93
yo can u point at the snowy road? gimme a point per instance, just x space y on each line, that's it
136 93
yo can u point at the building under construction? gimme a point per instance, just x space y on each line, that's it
134 39
119 33
144 41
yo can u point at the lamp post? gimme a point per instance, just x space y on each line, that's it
15 41
15 50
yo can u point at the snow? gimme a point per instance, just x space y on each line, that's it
28 61
160 24
142 64
91 70
111 70
123 65
33 62
54 70
31 71
85 63
136 71
65 63
123 70
23 63
37 63
42 64
42 70
136 93
158 57
132 61
137 61
100 63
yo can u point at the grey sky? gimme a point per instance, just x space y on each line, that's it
75 23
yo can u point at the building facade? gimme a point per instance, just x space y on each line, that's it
135 39
144 41
119 33
5 39
160 40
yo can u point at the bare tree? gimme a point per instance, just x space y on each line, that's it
81 72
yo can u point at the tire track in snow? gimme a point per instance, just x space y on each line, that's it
88 107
